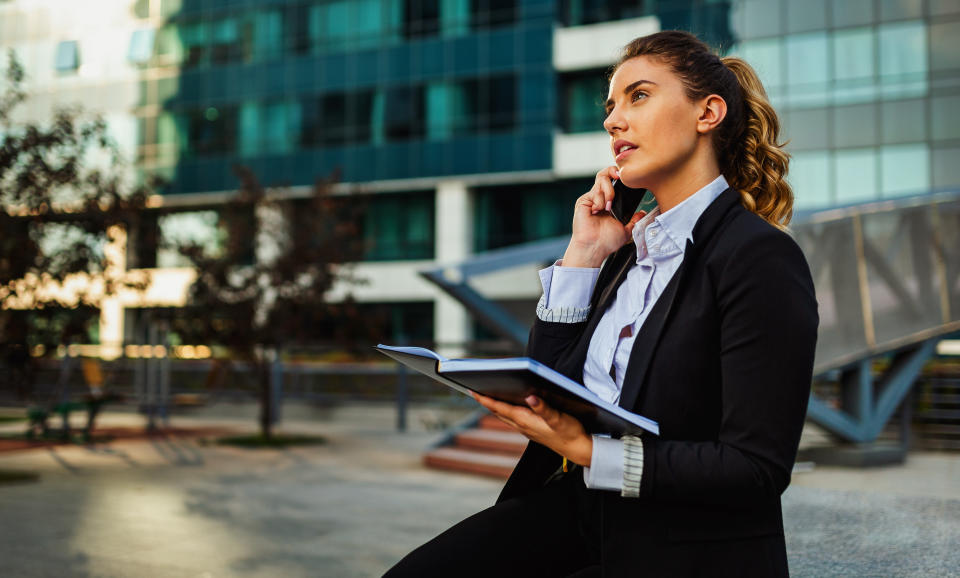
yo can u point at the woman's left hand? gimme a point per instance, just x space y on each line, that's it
543 424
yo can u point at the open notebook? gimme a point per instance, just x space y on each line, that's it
513 379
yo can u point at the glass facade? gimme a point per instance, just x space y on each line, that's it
508 215
864 88
375 89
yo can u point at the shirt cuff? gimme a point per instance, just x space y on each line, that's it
632 466
568 287
606 465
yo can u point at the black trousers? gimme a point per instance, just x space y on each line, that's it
554 531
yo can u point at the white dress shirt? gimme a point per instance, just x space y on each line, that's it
661 239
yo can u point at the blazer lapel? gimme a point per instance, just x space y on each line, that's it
644 347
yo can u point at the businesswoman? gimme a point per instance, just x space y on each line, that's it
700 315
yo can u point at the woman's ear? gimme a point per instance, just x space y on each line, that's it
712 112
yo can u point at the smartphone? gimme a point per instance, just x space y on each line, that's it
625 201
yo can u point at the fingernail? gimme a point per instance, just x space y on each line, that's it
532 401
616 172
609 206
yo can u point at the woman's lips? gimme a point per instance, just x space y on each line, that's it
624 154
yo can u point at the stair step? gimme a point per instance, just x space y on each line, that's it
492 422
486 464
492 440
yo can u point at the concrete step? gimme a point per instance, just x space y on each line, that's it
462 460
492 440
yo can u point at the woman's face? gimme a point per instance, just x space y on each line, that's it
649 113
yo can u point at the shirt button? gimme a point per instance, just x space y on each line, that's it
653 233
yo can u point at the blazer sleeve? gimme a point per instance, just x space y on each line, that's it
768 328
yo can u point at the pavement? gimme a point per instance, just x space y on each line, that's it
180 507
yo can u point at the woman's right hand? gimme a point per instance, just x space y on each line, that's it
596 233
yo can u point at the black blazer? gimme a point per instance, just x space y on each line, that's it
724 363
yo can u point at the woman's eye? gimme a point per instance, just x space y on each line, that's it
638 95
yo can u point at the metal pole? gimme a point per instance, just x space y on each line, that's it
276 387
165 375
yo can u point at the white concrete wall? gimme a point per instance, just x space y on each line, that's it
597 45
582 154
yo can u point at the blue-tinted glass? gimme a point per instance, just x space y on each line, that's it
492 13
903 59
905 169
454 17
856 175
766 58
945 45
583 96
904 121
900 9
68 56
854 62
249 129
439 121
852 12
946 121
806 15
807 69
421 18
762 18
141 46
399 226
268 34
169 45
810 178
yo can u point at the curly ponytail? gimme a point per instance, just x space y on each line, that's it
746 141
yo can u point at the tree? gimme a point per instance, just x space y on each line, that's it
266 287
65 196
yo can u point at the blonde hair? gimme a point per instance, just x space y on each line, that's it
747 140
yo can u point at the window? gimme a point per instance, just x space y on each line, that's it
904 170
225 42
493 13
579 12
856 175
141 46
583 95
810 178
766 57
68 56
399 226
421 18
852 12
854 62
807 69
903 59
510 215
141 9
946 121
211 130
339 118
944 53
404 113
193 38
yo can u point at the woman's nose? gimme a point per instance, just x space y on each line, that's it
614 122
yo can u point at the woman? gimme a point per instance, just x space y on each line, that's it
701 317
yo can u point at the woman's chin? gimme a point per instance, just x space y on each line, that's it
630 180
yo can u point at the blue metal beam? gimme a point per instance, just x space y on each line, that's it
896 383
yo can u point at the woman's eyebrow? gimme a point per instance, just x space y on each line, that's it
609 104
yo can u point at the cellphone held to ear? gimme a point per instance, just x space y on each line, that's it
625 201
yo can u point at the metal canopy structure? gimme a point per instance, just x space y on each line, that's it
887 277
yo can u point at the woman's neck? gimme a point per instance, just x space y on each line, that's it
684 183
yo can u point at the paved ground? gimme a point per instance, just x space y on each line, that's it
352 507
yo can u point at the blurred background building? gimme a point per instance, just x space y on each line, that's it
466 125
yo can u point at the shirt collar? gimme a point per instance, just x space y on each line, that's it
678 222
